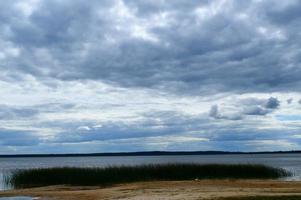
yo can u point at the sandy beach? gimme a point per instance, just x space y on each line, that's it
164 190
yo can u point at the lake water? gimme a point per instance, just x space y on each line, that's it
291 162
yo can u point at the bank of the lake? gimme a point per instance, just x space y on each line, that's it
166 190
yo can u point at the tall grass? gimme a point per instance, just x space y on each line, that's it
112 175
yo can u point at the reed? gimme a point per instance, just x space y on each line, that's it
114 175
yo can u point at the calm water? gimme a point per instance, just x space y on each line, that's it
291 162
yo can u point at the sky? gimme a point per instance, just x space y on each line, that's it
80 76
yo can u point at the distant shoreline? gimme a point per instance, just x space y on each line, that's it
147 153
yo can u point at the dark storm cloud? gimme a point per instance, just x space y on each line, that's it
199 47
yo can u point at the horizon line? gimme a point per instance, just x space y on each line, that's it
147 153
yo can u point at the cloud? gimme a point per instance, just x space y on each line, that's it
17 138
154 125
255 110
143 44
272 103
92 74
251 106
214 113
260 106
84 128
7 112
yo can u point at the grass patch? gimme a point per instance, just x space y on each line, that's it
112 175
263 198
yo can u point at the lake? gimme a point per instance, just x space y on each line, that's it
291 162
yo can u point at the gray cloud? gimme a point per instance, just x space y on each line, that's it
272 103
155 124
255 106
180 46
94 72
255 110
251 106
7 112
214 113
29 112
17 138
289 101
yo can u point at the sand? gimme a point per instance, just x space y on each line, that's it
164 190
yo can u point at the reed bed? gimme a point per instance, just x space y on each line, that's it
123 174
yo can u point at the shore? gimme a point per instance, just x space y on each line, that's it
165 190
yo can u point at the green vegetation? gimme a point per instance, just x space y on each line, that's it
263 198
112 175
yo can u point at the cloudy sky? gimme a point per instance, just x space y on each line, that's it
140 75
